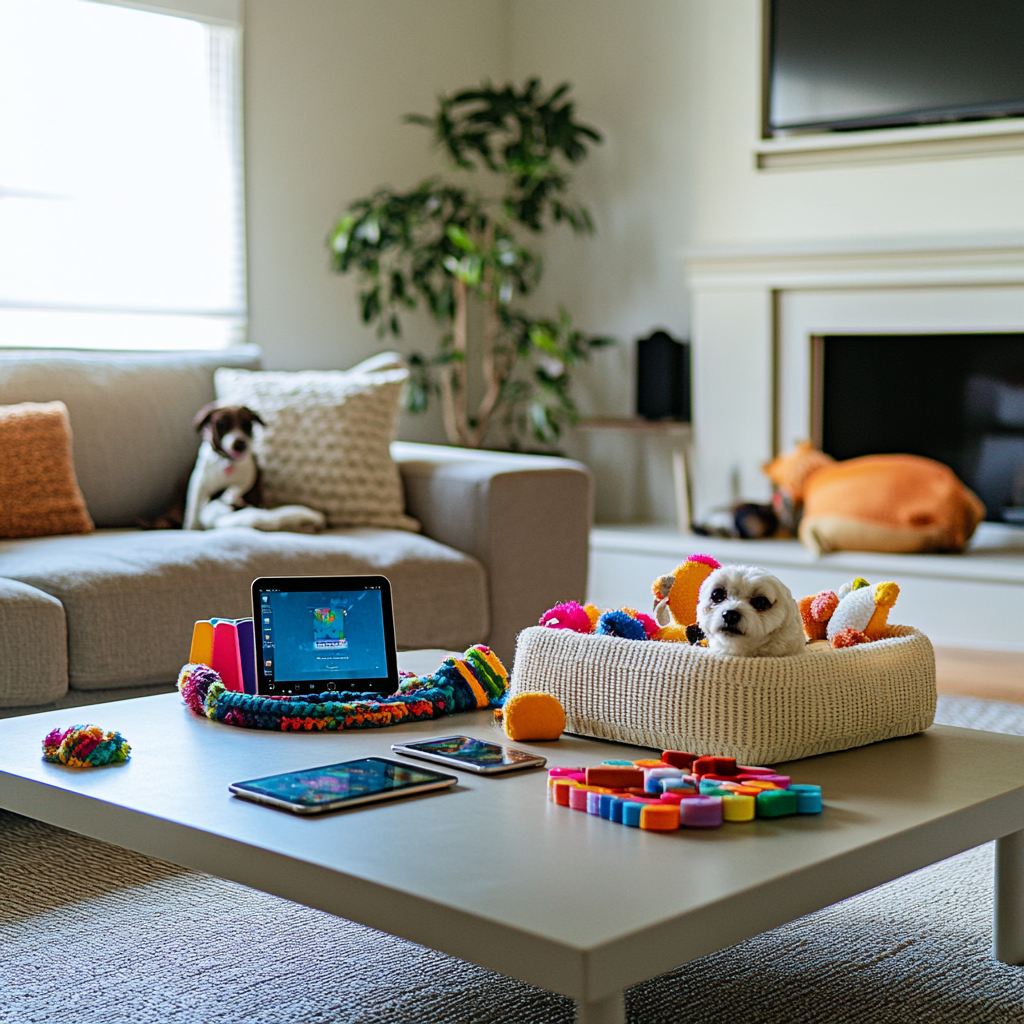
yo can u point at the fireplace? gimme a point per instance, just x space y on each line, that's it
956 398
767 330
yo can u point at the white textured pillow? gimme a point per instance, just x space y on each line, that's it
327 439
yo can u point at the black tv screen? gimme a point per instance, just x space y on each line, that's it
847 64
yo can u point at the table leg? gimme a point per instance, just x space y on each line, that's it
1008 916
611 1010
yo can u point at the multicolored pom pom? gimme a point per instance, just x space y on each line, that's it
85 746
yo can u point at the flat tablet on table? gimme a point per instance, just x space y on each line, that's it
333 787
318 634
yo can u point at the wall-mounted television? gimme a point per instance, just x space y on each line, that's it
839 65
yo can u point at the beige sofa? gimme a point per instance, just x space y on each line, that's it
504 537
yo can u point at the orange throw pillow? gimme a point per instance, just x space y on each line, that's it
39 494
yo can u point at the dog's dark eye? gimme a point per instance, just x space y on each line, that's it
718 595
760 603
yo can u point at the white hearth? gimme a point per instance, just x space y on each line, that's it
756 310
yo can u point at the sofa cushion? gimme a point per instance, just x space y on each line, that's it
326 439
131 417
131 597
34 644
39 495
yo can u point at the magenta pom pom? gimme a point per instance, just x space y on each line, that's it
706 560
650 626
571 615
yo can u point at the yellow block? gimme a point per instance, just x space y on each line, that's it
202 644
738 807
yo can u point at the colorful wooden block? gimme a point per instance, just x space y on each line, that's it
578 798
660 817
561 790
808 798
615 777
649 763
701 812
737 806
775 803
631 811
227 661
615 810
202 643
653 777
606 805
679 759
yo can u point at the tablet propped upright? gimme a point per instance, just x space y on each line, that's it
317 634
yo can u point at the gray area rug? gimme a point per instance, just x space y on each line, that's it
90 933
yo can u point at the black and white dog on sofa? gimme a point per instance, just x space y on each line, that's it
224 489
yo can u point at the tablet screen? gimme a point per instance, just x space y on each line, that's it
318 634
348 782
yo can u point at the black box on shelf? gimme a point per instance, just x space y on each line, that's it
663 378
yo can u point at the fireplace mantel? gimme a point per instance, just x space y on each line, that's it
756 306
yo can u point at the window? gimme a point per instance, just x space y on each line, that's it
121 219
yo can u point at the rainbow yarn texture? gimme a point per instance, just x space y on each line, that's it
85 746
476 680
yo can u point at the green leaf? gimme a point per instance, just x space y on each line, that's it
460 238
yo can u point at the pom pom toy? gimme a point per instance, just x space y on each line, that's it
849 637
476 680
533 716
85 746
815 611
571 615
621 623
675 596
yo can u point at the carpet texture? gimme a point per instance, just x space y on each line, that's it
90 933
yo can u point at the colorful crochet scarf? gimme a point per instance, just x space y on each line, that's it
476 680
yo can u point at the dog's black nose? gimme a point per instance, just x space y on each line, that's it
731 616
238 445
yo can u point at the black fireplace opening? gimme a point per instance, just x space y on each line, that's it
956 398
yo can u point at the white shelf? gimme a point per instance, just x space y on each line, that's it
919 142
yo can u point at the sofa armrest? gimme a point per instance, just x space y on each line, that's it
525 517
34 644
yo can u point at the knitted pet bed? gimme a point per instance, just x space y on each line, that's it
476 680
758 710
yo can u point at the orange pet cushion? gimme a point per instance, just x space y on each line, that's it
899 503
533 716
39 493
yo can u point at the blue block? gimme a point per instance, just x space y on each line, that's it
808 798
615 810
606 805
631 813
621 764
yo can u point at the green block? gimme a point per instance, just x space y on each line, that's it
775 803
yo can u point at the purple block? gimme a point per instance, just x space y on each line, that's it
701 812
594 803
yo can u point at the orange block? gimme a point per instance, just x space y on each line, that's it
660 817
651 764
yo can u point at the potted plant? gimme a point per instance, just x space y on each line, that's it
449 246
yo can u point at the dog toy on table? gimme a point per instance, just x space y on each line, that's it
676 597
476 680
85 746
680 790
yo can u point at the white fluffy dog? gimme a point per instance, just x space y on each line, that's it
748 612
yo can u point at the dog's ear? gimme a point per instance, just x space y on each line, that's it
253 415
203 416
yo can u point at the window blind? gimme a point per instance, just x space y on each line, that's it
121 189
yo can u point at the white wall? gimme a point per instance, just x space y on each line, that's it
674 86
326 85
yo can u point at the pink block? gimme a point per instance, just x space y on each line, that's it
701 812
561 771
227 660
779 780
578 798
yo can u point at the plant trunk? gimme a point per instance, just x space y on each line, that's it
454 379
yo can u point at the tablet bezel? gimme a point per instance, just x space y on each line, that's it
312 584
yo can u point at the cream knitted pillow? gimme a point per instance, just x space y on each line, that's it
327 439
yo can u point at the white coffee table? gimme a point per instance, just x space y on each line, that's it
493 873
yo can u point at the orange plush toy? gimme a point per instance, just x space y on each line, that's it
675 597
898 503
